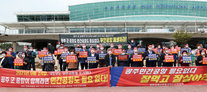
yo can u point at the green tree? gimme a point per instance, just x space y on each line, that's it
5 46
182 37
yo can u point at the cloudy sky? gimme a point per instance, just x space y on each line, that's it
8 8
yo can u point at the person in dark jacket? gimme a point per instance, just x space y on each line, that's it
83 59
148 62
200 58
137 63
4 61
124 62
93 54
184 53
32 55
26 62
166 64
50 66
101 59
110 59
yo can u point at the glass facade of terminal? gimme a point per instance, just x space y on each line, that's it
33 18
114 10
128 10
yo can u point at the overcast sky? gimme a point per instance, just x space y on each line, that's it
8 8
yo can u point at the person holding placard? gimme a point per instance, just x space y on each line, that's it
82 57
185 59
72 61
63 57
123 59
150 57
110 58
167 59
202 59
136 60
93 59
49 62
102 54
18 66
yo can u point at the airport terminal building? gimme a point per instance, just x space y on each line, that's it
146 20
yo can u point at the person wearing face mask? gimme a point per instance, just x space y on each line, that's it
164 62
19 56
112 46
137 63
63 57
200 58
93 54
11 58
32 55
123 59
159 55
184 53
101 59
73 65
4 61
110 59
133 43
26 62
97 47
81 59
130 50
50 66
146 54
29 56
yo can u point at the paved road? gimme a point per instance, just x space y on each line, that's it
202 88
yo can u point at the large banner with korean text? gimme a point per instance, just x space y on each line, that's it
158 76
40 79
93 39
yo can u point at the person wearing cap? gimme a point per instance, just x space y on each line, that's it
146 54
82 60
93 54
101 60
199 61
124 62
4 61
110 58
135 64
12 57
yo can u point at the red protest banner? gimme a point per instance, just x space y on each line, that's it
67 79
169 58
60 51
117 51
18 62
204 61
42 53
83 54
71 59
158 76
136 58
122 57
8 53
